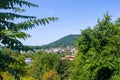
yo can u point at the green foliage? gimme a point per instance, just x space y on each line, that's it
98 56
28 78
6 76
10 31
5 61
43 63
64 69
20 66
50 75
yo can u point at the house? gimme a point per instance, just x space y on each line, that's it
28 60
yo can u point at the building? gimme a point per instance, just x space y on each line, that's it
28 60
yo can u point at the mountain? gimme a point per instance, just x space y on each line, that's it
63 42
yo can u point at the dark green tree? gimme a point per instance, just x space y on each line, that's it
10 31
98 56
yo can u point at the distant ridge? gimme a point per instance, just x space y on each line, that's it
63 42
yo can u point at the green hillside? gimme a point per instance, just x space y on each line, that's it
63 42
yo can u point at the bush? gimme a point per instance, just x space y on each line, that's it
98 56
50 75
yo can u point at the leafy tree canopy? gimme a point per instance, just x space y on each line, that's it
98 56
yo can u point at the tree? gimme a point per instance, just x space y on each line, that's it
10 31
50 75
42 62
98 56
45 65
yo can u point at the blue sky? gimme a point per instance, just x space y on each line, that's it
74 15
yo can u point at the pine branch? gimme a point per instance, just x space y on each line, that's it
11 43
13 34
12 16
32 23
16 9
7 25
12 3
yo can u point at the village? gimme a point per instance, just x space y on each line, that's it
69 51
61 50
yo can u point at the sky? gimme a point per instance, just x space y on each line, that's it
74 15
